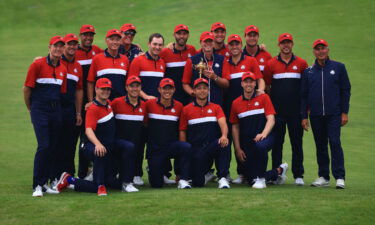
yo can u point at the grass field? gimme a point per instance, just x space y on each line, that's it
25 29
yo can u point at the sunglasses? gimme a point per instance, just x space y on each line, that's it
130 32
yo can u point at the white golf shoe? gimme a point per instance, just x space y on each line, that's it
223 183
183 184
320 182
38 191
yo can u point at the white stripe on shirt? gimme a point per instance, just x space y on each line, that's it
111 71
176 64
106 118
151 74
72 77
286 75
85 62
202 120
251 113
129 117
162 117
49 81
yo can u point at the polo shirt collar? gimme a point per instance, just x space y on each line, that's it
80 48
106 53
128 102
252 96
65 59
325 64
232 63
247 53
216 50
148 56
291 60
196 103
168 107
49 61
178 51
96 102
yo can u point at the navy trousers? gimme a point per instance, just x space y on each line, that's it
83 161
158 159
327 129
46 119
257 159
295 131
202 157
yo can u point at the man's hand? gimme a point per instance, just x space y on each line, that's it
344 119
223 141
148 97
263 47
305 124
78 119
209 74
170 46
88 105
241 155
100 150
259 137
260 92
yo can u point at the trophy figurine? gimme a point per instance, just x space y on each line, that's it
200 67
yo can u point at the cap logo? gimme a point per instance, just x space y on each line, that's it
287 35
295 67
243 67
332 72
209 111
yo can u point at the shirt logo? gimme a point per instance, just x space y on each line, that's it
227 54
140 110
93 53
189 55
172 110
75 70
243 67
61 74
295 67
256 103
261 60
332 72
122 64
217 65
209 111
161 67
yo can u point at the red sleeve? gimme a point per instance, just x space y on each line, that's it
91 77
91 118
188 72
254 67
80 77
164 53
113 105
144 110
65 80
183 120
226 70
304 66
267 73
164 66
32 75
233 119
219 112
193 50
135 67
268 106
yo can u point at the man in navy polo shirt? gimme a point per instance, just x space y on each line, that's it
127 47
204 126
283 74
45 80
325 97
163 143
252 119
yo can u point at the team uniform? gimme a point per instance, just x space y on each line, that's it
285 95
175 61
150 71
202 132
132 53
47 82
130 127
190 75
326 94
163 143
69 130
224 51
261 56
113 68
251 114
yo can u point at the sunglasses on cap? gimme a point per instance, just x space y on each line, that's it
129 32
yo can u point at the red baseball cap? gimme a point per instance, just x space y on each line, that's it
218 25
166 81
200 80
285 36
234 37
103 83
246 75
127 26
206 35
320 42
181 27
133 79
56 39
251 28
87 28
113 32
70 37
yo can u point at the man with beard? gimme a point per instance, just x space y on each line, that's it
127 47
283 74
175 60
109 64
220 31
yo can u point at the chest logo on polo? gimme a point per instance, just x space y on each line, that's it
161 67
209 111
332 72
189 55
172 110
217 65
61 74
227 54
256 103
75 70
243 67
93 53
295 67
140 110
261 60
122 64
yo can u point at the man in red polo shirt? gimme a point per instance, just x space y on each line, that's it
204 126
283 74
45 81
109 64
220 31
253 49
175 59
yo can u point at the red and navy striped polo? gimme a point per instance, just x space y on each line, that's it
74 80
261 56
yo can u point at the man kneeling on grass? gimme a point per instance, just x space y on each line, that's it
100 131
252 119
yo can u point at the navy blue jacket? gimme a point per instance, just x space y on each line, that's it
325 90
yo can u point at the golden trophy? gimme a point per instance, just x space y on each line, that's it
200 67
